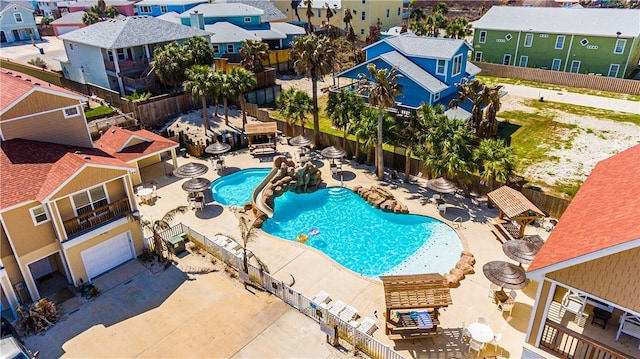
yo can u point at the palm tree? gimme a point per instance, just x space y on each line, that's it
90 18
480 96
419 28
459 28
495 160
242 81
170 62
111 12
216 88
254 53
435 22
381 87
418 15
155 227
309 14
365 128
227 89
294 6
199 83
199 51
330 14
347 19
294 105
343 107
247 234
414 130
441 8
313 56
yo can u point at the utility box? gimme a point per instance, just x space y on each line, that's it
176 243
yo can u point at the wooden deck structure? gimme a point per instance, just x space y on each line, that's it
262 136
515 207
407 296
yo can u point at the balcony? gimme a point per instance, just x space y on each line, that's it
127 67
91 220
565 343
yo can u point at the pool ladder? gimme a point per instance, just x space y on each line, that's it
457 222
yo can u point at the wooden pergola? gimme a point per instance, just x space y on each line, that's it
256 130
515 207
406 295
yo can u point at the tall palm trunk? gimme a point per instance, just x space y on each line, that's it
205 115
226 111
357 147
379 154
369 155
407 163
316 117
244 114
344 140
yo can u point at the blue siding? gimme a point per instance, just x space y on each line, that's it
18 31
156 10
224 47
378 49
236 20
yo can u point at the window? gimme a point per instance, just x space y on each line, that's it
483 37
478 56
528 40
436 96
85 202
555 65
361 31
145 8
363 15
319 13
508 37
457 65
560 42
584 42
163 8
506 59
216 48
613 70
575 66
18 17
388 12
399 11
71 112
523 61
620 44
247 20
71 47
120 53
39 215
364 1
230 48
441 68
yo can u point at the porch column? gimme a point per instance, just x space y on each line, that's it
8 290
146 52
173 158
117 65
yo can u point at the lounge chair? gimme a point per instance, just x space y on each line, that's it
221 240
321 298
349 314
574 303
368 326
337 307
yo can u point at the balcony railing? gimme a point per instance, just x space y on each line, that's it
127 66
142 83
565 343
98 216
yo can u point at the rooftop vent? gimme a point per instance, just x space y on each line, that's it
87 158
28 80
36 83
18 76
113 131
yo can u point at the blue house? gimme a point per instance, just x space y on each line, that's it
430 69
160 7
17 22
238 14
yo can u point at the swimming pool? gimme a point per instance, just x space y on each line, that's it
362 238
236 189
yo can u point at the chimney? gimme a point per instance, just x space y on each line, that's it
197 20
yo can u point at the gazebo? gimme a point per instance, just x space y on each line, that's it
262 136
514 206
413 301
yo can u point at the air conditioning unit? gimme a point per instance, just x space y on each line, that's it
22 293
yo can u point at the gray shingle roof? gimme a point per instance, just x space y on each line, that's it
90 3
414 72
224 10
271 12
226 32
287 28
24 4
170 16
430 47
70 18
472 69
169 2
131 31
595 22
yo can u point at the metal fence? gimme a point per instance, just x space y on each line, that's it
360 340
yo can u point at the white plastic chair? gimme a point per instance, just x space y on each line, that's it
493 288
475 346
496 339
574 302
337 307
349 314
321 297
442 208
368 326
466 334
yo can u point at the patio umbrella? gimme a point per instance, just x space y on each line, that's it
217 148
190 170
441 185
505 274
197 184
300 141
520 250
333 152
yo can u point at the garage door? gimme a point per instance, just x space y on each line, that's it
106 255
65 29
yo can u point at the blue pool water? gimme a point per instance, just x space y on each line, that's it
236 189
364 239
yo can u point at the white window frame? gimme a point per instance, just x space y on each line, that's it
578 69
436 96
504 57
247 20
120 54
163 9
482 38
624 44
559 61
216 48
70 115
456 66
230 49
444 67
526 61
617 67
91 201
18 17
34 216
528 40
508 37
564 38
476 56
145 8
584 42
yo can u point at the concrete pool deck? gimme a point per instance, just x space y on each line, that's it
313 271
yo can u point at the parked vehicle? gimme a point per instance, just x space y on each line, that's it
11 346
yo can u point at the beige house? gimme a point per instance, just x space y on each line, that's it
64 204
588 299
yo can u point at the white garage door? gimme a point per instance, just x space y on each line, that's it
65 29
106 255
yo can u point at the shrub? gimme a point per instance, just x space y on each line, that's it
38 62
135 96
46 21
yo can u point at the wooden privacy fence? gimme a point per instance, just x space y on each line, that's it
35 71
363 341
593 82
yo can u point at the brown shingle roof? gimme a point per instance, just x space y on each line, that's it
115 137
16 84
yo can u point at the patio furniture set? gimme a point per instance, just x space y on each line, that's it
146 195
347 313
480 334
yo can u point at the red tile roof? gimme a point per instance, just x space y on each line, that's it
115 137
32 170
604 213
15 84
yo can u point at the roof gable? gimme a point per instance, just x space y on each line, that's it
26 5
428 47
603 215
218 10
132 145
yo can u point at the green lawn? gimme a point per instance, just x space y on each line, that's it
491 80
98 112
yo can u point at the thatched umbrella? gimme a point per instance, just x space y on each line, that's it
191 170
333 153
505 274
520 250
441 185
300 141
217 148
198 184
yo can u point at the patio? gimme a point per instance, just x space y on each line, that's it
287 259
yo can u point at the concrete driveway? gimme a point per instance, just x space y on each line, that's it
174 315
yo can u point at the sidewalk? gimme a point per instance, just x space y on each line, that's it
574 98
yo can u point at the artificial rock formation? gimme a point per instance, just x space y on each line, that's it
381 198
304 179
462 268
